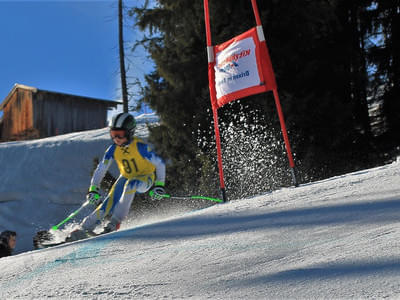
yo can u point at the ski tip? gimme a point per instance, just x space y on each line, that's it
41 237
54 228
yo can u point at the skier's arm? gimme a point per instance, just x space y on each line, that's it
148 153
102 168
160 169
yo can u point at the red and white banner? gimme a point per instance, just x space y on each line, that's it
239 68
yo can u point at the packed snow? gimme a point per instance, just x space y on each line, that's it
336 238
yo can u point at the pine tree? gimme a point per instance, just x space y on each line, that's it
177 88
386 58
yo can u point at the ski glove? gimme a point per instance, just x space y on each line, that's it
93 196
157 192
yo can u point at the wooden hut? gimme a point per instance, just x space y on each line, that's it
30 113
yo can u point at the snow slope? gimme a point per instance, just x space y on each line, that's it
336 238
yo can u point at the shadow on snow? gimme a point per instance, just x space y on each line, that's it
355 269
378 211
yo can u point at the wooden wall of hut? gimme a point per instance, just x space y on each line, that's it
17 116
55 114
30 113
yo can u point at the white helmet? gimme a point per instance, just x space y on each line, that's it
124 121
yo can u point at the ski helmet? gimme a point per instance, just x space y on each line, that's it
124 121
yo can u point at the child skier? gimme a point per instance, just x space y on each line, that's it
141 170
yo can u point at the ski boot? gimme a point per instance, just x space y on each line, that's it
78 234
113 225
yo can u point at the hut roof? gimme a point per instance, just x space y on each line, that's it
35 90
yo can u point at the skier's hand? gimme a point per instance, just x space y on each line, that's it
93 196
157 192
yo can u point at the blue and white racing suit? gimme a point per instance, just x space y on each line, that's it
140 167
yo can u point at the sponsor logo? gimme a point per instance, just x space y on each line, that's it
232 61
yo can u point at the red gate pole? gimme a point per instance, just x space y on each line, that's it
277 102
219 154
213 97
285 137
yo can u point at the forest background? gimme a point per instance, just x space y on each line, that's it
337 66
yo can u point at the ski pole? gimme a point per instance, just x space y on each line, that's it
55 227
193 197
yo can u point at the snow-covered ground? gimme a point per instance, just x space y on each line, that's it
336 238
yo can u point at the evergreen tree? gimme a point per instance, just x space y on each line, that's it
384 56
177 89
322 82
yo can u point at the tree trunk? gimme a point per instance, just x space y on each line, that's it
122 58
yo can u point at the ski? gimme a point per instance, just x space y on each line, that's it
49 245
43 239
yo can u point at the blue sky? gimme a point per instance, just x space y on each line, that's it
66 46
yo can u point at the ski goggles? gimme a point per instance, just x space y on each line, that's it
117 134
